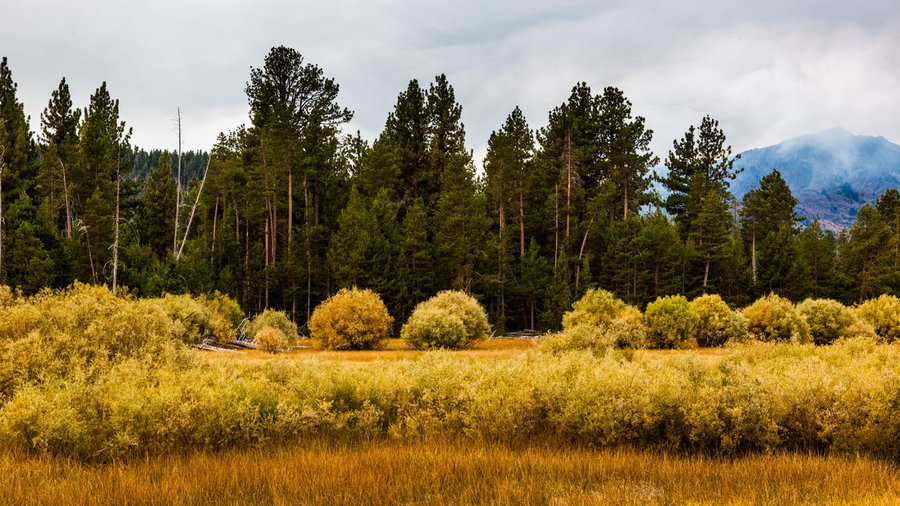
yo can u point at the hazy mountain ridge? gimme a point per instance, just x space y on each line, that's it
832 173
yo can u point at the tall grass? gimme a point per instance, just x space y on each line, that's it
448 472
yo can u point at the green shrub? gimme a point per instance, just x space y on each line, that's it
274 319
464 307
271 339
670 321
774 318
716 322
430 328
829 320
352 319
597 307
883 314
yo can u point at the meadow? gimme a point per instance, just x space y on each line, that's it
102 400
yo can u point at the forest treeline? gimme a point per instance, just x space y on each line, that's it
292 209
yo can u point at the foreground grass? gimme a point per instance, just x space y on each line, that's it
441 472
398 349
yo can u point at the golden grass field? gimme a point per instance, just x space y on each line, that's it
443 472
397 349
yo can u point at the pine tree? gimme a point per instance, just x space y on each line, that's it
699 163
156 221
768 221
59 128
816 259
865 255
30 266
711 232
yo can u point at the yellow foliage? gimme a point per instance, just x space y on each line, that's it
716 322
774 318
430 328
274 319
883 314
352 319
271 339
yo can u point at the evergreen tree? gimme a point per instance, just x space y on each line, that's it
711 233
699 163
30 266
816 259
768 222
59 128
157 220
865 255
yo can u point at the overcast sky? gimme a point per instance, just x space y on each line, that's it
767 70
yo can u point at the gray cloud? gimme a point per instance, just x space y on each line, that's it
767 70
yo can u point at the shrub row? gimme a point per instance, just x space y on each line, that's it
673 321
760 397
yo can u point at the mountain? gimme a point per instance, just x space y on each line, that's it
832 173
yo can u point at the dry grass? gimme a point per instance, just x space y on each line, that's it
397 349
392 349
448 473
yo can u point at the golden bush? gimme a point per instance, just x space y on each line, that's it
883 314
597 307
829 320
274 319
716 322
352 319
431 328
271 339
670 321
466 308
774 318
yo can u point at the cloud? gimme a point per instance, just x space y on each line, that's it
767 70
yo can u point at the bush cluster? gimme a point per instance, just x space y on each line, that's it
829 320
273 319
271 339
352 319
774 318
717 324
883 314
436 322
670 321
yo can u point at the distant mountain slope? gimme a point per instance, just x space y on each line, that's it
832 173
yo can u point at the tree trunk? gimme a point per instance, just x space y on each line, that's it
753 252
115 278
290 211
521 225
215 218
66 197
568 183
706 277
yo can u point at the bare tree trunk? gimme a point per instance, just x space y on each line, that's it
177 190
115 278
521 225
706 277
290 211
556 225
625 213
568 183
753 252
584 240
215 218
267 263
66 197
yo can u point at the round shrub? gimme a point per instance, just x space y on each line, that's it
271 339
274 319
716 322
774 318
464 307
227 307
670 321
352 319
883 314
829 320
597 307
200 320
432 328
627 330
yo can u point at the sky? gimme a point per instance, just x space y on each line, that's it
767 70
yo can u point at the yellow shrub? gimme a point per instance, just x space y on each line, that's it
275 319
464 307
717 323
670 321
580 337
597 307
271 339
434 328
883 314
627 329
829 320
352 319
201 320
774 318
